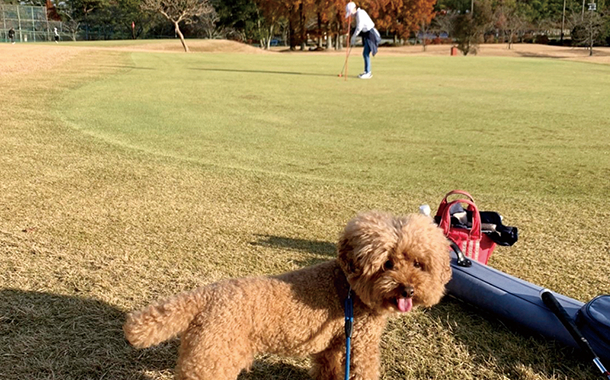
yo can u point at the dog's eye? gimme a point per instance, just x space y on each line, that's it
417 264
388 265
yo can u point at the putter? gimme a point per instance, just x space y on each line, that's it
349 51
346 58
551 302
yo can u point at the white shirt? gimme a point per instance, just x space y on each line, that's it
363 22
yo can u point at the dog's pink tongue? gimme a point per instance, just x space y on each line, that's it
405 304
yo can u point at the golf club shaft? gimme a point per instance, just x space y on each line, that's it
551 302
346 58
349 51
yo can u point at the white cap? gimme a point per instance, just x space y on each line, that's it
349 9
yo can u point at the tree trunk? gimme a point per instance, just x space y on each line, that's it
291 33
303 30
269 37
591 35
179 33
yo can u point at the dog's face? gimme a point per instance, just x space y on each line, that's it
395 263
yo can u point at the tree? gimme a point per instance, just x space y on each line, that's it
444 22
586 29
400 17
271 15
466 34
469 29
177 11
238 19
508 21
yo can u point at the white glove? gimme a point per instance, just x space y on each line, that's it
353 41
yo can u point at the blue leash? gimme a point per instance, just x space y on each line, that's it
349 324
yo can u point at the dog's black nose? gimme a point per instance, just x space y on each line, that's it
407 291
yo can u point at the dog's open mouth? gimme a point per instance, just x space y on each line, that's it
404 305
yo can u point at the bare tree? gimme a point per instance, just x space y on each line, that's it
444 22
207 24
425 27
72 27
510 22
178 11
586 29
70 23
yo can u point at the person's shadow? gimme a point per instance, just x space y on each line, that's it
50 336
321 250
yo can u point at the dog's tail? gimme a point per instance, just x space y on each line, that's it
166 319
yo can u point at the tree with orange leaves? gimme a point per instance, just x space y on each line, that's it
273 12
326 18
400 17
331 20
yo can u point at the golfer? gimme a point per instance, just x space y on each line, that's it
370 36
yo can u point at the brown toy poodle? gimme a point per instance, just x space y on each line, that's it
390 263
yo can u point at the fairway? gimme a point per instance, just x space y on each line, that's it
130 172
524 125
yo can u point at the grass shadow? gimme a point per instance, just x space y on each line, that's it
267 370
266 72
131 67
511 347
323 249
596 53
45 335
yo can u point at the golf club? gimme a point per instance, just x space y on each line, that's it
345 63
349 50
551 302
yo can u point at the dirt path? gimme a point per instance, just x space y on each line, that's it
22 58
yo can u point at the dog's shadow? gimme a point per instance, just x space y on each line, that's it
44 335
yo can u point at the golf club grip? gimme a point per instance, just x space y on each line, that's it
551 302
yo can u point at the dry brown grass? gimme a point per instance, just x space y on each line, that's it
90 230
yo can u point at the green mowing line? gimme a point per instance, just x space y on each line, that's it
528 125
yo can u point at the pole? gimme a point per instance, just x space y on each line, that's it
3 18
563 20
590 34
46 18
33 25
19 21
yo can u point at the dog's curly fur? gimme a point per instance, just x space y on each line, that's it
390 263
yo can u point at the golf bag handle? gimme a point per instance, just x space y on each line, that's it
444 202
475 231
461 192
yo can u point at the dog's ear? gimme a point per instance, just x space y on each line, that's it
345 255
363 238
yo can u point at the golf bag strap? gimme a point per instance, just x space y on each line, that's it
445 223
444 202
